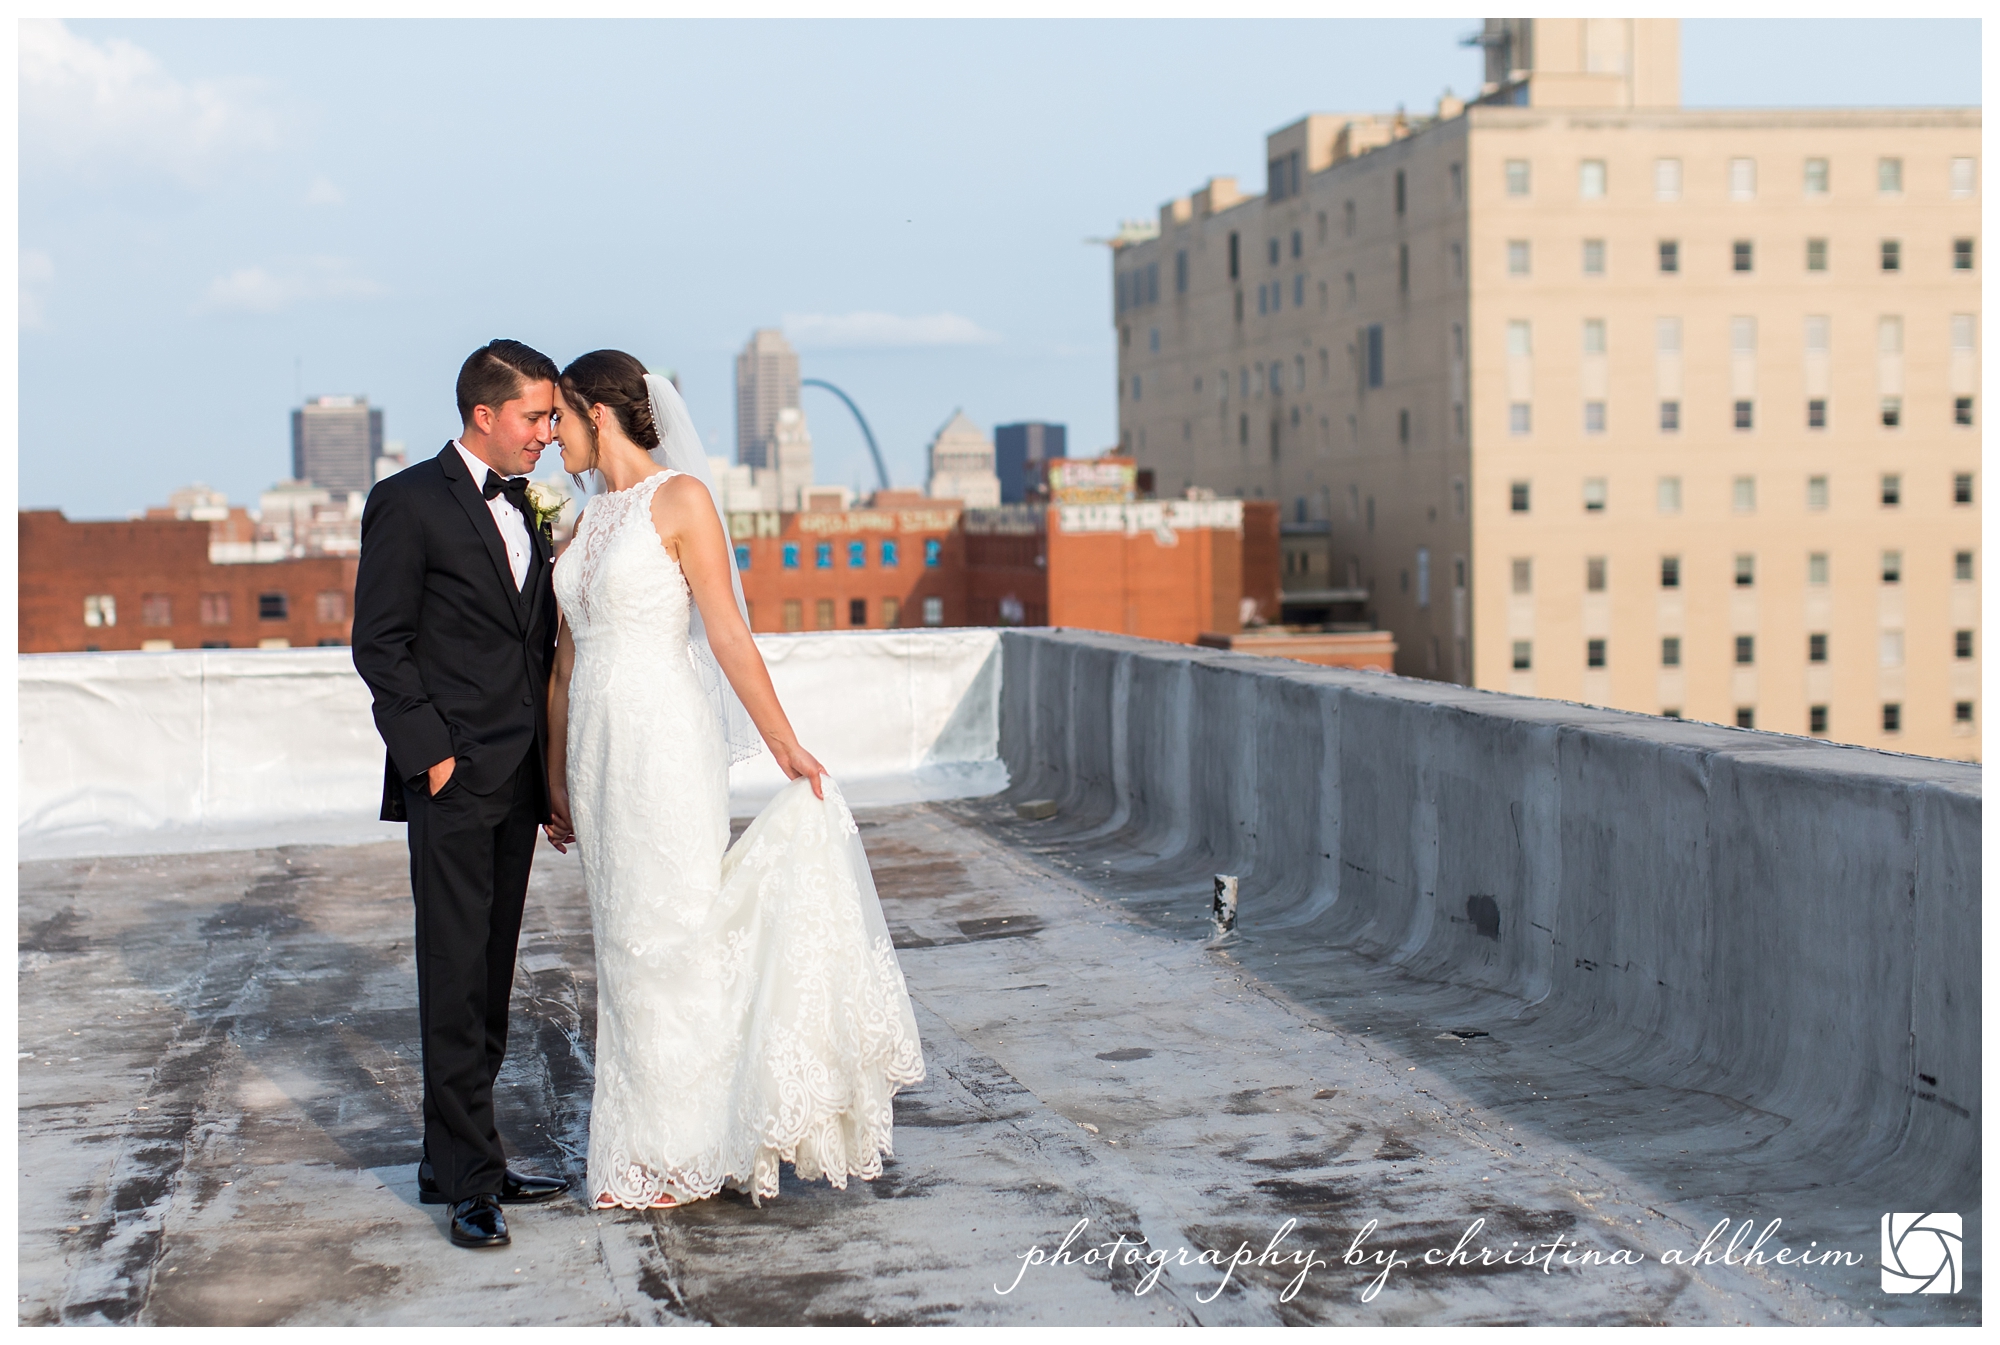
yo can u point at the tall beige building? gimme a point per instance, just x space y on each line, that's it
1600 398
767 382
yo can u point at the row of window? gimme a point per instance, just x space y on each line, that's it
1816 334
157 609
1593 178
1889 651
1743 493
1742 414
1742 256
792 613
889 555
1596 571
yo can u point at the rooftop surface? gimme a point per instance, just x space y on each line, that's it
219 1100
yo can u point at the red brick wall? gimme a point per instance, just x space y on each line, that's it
167 562
1262 561
1133 585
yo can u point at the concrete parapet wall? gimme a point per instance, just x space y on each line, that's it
1790 924
136 753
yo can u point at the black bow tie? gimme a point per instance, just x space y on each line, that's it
515 486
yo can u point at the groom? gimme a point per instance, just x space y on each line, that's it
454 630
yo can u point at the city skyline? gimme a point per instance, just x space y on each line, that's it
258 238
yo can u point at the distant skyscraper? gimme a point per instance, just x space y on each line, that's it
335 441
1019 449
962 465
767 381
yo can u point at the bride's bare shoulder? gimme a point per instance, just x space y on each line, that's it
681 500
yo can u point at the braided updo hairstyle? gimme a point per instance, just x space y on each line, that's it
616 380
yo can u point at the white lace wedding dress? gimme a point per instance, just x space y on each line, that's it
750 1010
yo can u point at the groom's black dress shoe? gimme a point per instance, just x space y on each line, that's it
516 1188
477 1222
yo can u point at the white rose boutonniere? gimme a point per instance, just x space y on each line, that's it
546 503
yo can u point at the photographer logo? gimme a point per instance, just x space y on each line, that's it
1922 1253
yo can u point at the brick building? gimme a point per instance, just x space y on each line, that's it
853 569
149 584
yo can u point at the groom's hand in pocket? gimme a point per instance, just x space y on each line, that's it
441 773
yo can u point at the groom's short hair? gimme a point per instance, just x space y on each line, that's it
493 374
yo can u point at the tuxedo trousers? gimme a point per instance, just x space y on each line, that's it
469 861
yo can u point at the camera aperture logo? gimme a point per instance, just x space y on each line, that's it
1923 1253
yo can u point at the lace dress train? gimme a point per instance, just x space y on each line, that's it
750 1010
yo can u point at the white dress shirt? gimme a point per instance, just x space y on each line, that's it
513 527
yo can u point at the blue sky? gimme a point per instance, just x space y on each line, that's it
216 216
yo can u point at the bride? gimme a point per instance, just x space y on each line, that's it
750 1010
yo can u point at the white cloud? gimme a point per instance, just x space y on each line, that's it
884 330
324 192
38 272
93 109
258 289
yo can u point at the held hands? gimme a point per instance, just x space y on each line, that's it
795 761
561 832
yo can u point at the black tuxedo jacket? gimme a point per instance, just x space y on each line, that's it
458 659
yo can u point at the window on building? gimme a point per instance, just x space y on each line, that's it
1457 264
1961 644
1524 575
1375 360
1517 177
1962 177
1891 649
1746 717
1666 179
1892 254
1670 256
1816 647
1402 194
1817 177
1961 488
1816 568
1402 425
1961 713
1524 655
1273 249
1667 336
743 556
1590 183
1961 254
1593 256
1457 172
1593 494
823 556
1742 255
892 612
1670 417
1746 570
933 611
1347 219
1670 572
1517 257
1746 649
794 616
156 609
1816 413
1892 711
1517 496
1181 271
1593 417
273 607
1593 653
1961 410
1815 254
215 609
887 551
1593 336
1961 566
1670 651
857 555
857 611
1520 340
1235 257
1892 412
1593 574
1892 567
330 606
1742 336
1668 496
933 552
1743 494
823 614
1816 494
791 562
1402 272
100 609
1745 415
1519 420
1889 177
205 644
1742 179
1819 334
